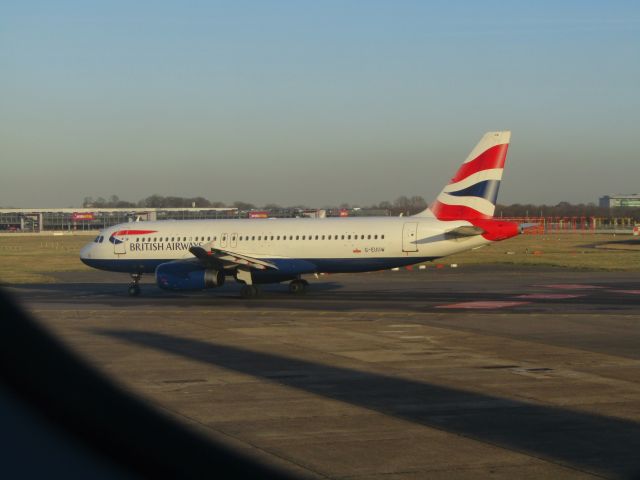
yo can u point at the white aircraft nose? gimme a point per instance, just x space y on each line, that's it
86 251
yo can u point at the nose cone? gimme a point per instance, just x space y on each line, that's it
85 253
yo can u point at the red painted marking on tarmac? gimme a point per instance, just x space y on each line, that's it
480 304
549 296
570 286
632 292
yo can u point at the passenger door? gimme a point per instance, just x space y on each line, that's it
119 245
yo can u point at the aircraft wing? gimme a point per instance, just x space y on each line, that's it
220 259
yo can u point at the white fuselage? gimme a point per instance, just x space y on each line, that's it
332 244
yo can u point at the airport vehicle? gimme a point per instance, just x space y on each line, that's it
199 254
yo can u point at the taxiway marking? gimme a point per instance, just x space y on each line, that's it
549 296
482 304
570 286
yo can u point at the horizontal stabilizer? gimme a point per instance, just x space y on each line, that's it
524 226
465 231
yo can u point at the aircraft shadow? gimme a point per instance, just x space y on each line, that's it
601 445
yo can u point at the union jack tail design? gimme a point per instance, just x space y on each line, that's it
472 192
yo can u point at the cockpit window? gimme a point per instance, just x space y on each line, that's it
97 239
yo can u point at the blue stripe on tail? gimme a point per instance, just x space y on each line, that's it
487 189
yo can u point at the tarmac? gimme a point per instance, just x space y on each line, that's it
440 373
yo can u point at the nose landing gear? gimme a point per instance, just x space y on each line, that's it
134 288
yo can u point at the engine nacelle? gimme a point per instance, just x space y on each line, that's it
187 276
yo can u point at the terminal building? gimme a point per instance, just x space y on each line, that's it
80 219
36 220
620 201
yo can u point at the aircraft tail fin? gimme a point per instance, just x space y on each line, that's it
472 192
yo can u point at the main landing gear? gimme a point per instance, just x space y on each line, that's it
134 288
250 291
298 287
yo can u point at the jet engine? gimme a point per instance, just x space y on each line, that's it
187 276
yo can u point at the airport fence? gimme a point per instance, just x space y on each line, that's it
550 225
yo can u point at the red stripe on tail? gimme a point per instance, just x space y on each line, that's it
455 212
493 157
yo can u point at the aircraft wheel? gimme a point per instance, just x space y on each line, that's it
134 290
298 287
249 291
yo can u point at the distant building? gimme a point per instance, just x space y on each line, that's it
617 201
74 219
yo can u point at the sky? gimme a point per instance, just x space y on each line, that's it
314 103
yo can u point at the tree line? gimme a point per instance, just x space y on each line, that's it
401 205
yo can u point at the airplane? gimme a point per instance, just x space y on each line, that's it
190 255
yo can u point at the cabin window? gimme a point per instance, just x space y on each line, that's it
382 237
208 239
259 237
348 237
297 237
304 237
278 237
361 237
271 237
316 237
322 237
